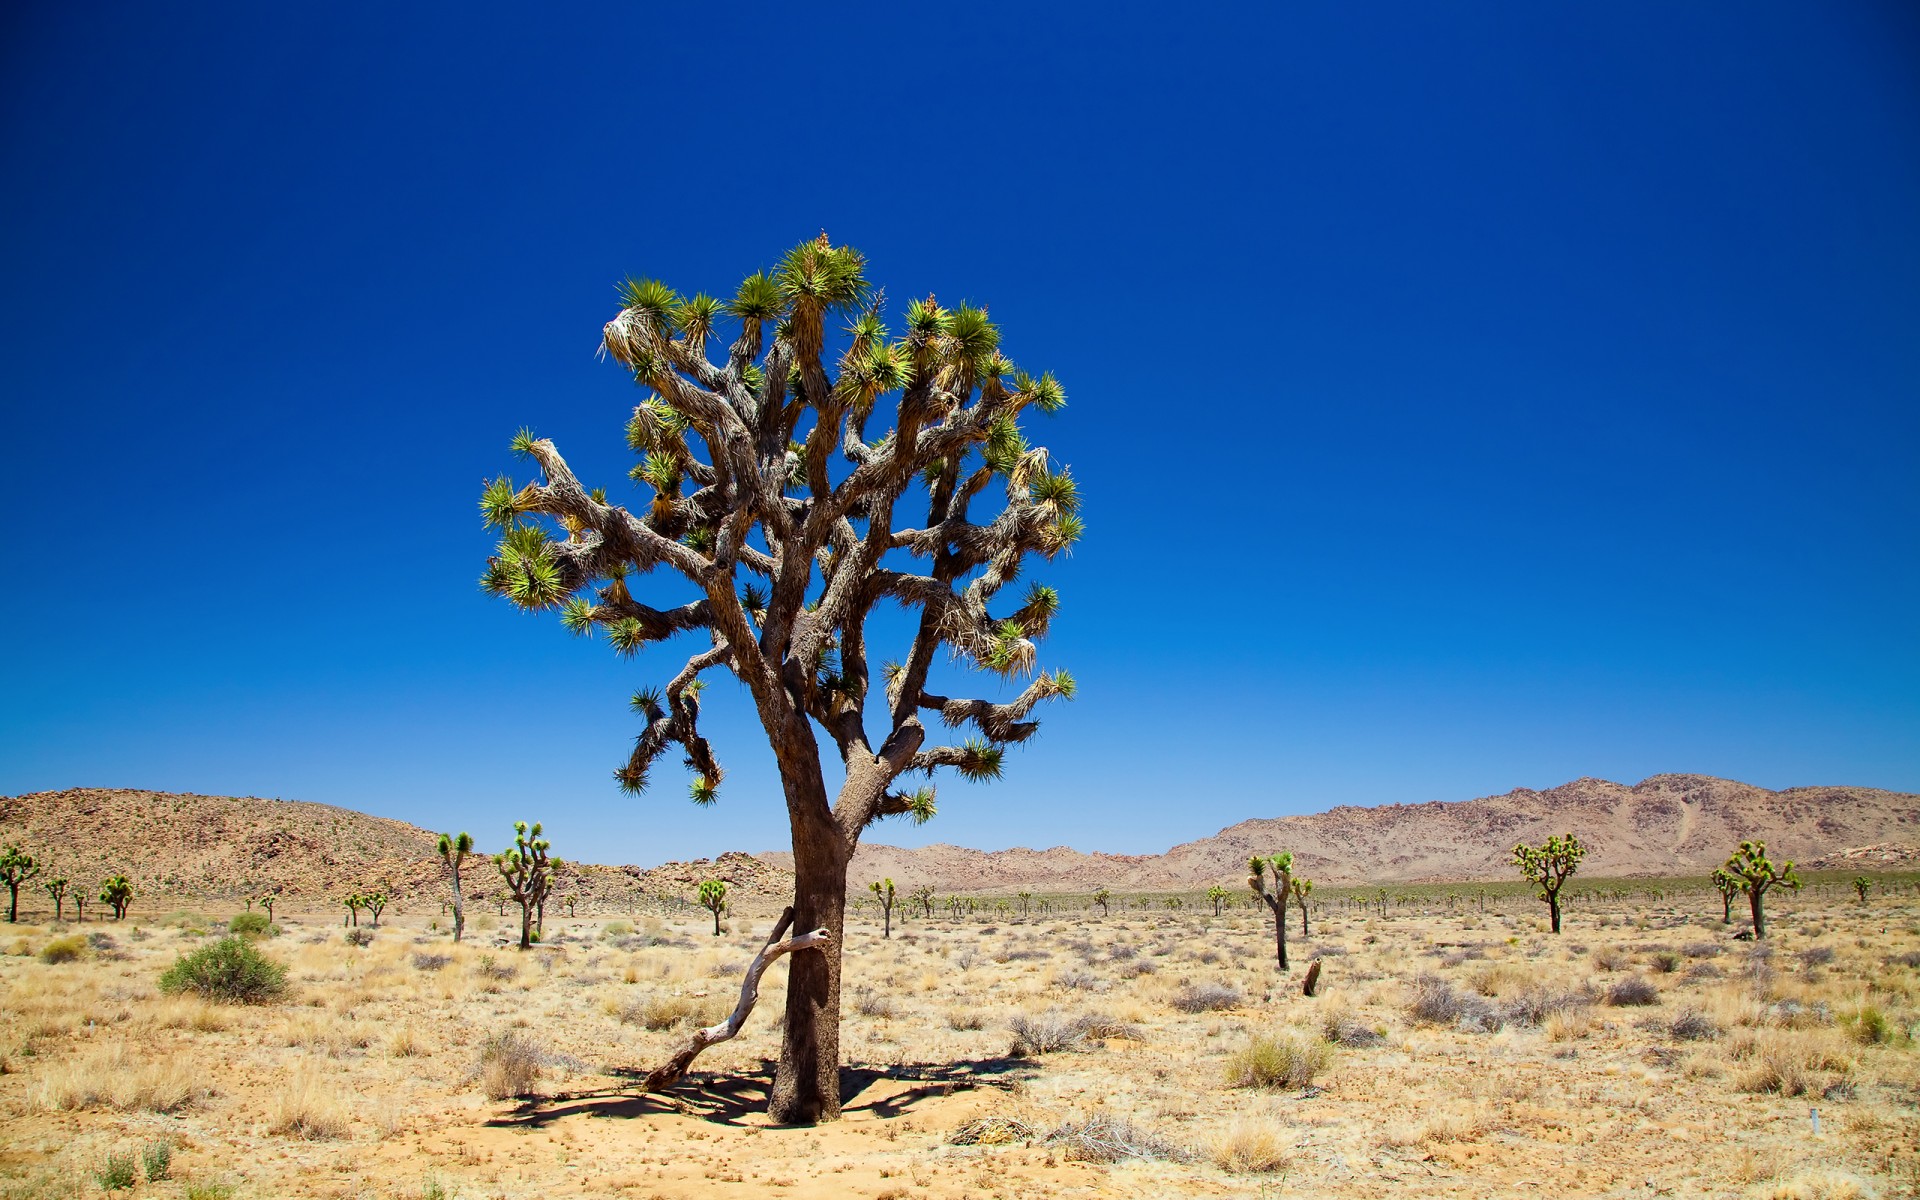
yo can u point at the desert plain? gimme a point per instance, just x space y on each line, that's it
1454 1048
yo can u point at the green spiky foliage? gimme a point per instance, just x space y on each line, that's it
527 871
803 456
1219 896
882 890
57 892
352 901
1757 875
923 896
713 897
454 849
1102 897
1728 887
1547 867
116 892
16 868
1302 888
1862 885
1271 879
267 900
1026 903
374 902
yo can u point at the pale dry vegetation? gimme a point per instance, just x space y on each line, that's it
1149 1052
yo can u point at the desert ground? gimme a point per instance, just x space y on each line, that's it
1454 1048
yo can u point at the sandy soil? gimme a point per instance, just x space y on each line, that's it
1505 1071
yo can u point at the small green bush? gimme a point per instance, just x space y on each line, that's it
359 937
63 949
230 970
252 924
214 1190
156 1158
116 1172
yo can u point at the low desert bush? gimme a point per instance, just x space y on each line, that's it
230 971
1816 956
669 1010
1693 1026
359 937
1251 1146
117 1173
1207 997
1078 980
870 1003
1534 1006
510 1064
306 1107
252 924
1868 1025
1665 962
1286 1061
1102 1138
1609 958
1343 1029
1633 991
63 949
1438 1002
156 1160
113 1078
431 962
1047 1033
965 1019
616 929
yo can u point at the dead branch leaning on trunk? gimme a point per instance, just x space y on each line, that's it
669 1074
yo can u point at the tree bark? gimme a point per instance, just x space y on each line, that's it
1759 914
1553 908
459 906
806 1087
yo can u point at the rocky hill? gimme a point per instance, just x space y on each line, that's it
187 848
1665 825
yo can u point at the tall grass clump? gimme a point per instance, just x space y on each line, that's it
230 971
1288 1061
63 949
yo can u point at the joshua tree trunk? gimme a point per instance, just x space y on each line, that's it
806 1088
1303 920
459 907
1726 908
526 925
1553 910
13 903
1759 913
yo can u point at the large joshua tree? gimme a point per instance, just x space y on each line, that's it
819 467
454 848
1756 874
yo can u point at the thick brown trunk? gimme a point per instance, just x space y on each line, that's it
806 1087
1759 914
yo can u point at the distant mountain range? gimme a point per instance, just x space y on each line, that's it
191 846
1665 825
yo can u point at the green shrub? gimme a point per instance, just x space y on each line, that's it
230 970
156 1158
63 949
214 1190
1278 1062
116 1173
253 924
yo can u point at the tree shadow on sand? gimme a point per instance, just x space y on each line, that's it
728 1099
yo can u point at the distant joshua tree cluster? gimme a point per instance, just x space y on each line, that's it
18 868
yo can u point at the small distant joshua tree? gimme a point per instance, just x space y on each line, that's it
1101 897
1302 888
1728 887
267 900
1757 876
713 898
1219 896
883 895
570 901
454 848
16 868
353 902
374 902
57 892
1862 885
1277 899
923 896
1548 867
116 892
527 871
1026 904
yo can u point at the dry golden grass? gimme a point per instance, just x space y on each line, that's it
1180 1041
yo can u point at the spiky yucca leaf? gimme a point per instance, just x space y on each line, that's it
981 760
694 318
646 702
703 791
651 297
920 805
1064 684
535 583
1005 445
576 615
499 504
627 636
817 273
758 298
523 441
1056 492
926 321
1061 535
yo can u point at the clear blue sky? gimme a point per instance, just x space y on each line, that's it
1464 396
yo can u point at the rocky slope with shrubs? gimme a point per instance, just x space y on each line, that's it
188 848
1662 826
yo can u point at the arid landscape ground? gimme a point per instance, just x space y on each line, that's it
1455 1048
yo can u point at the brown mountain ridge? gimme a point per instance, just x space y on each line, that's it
191 846
1664 825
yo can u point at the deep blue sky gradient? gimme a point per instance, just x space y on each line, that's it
1463 396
